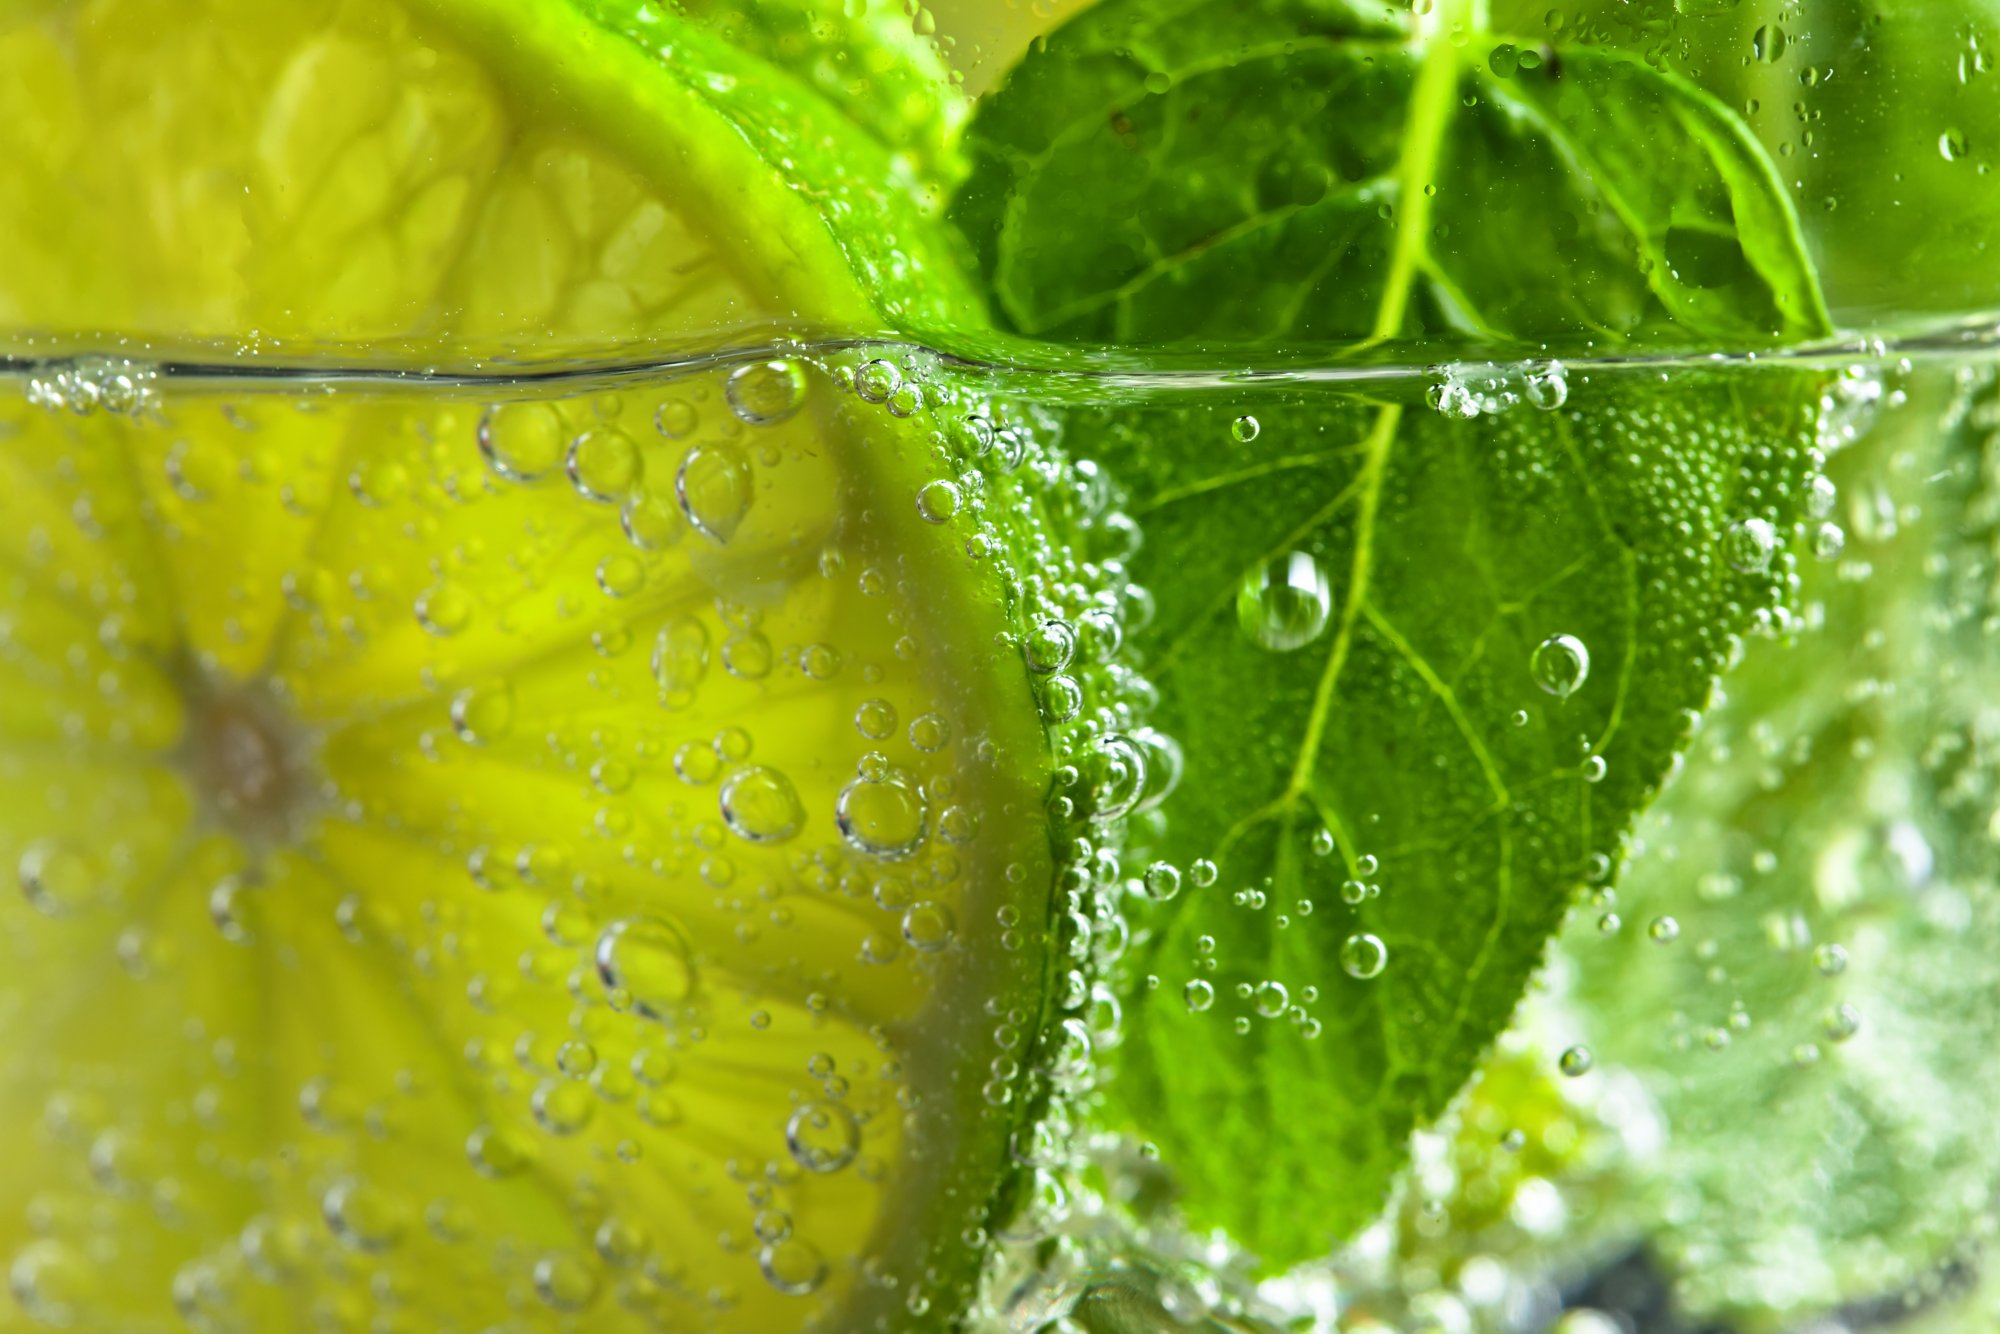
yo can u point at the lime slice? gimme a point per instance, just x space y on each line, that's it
521 859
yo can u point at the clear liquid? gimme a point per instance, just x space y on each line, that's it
1784 1000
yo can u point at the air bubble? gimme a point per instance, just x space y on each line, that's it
620 575
882 813
877 380
938 502
1560 665
928 926
747 656
563 1107
676 419
875 719
1748 545
603 465
49 1281
714 488
522 441
823 1137
765 393
1049 645
58 878
482 715
680 659
1363 956
930 732
566 1282
651 522
792 1267
649 959
760 805
1244 429
1546 386
443 610
1285 604
1062 698
1575 1061
363 1218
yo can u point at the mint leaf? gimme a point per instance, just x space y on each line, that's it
1372 618
1318 171
1881 114
1413 746
1829 844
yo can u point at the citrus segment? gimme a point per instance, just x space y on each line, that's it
509 857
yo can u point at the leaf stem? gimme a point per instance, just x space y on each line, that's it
1430 113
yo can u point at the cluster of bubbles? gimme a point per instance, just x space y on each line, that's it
1466 389
85 386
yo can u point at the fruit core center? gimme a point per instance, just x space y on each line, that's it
250 762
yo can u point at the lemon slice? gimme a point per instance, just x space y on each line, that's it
519 858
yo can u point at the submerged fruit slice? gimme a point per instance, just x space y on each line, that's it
504 859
